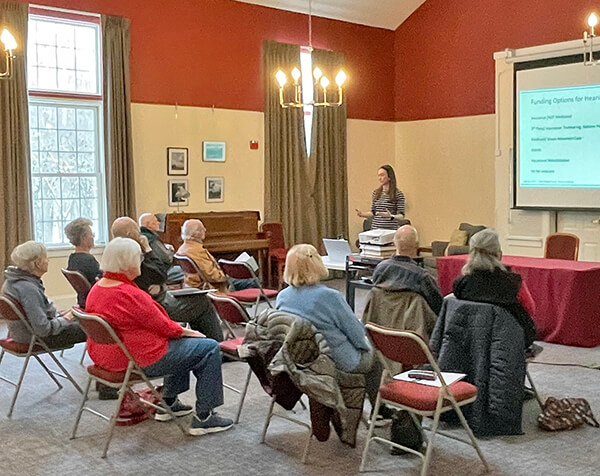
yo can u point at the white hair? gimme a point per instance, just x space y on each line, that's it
121 254
484 252
189 229
26 255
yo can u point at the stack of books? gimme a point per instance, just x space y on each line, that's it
377 251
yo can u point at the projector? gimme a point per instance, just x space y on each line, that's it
376 237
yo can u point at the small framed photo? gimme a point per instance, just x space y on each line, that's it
177 161
213 151
215 189
178 193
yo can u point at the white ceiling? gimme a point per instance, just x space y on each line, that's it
387 14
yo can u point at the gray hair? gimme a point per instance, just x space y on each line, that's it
120 255
26 255
77 229
484 252
189 229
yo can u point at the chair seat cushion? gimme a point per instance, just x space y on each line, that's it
230 346
424 397
21 348
108 375
279 254
251 294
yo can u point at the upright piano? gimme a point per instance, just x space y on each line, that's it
227 234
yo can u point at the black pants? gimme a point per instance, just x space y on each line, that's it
195 309
68 336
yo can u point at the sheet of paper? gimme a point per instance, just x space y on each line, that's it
449 378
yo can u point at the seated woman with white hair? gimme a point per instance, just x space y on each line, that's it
23 283
485 279
159 345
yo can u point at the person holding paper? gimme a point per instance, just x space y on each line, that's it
388 203
193 233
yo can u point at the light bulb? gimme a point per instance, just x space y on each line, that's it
592 20
340 78
324 82
9 41
281 78
296 74
317 73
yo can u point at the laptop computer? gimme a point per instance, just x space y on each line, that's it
337 250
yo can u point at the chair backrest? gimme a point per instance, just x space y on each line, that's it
11 309
189 266
237 269
229 309
562 246
79 282
404 347
276 238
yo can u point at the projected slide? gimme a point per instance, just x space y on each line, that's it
559 137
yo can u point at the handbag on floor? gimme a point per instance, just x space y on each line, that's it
566 414
132 412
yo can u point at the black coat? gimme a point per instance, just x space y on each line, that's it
485 343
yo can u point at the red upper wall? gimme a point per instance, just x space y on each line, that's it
208 52
444 51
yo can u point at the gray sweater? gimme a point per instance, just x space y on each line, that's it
29 291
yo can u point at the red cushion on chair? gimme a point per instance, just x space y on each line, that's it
251 294
279 254
114 377
230 346
18 347
423 397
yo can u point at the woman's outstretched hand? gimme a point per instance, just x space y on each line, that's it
358 212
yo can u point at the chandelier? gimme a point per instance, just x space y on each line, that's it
9 44
321 82
588 42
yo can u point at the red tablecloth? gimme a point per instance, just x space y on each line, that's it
566 294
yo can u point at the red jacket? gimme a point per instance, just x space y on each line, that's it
141 323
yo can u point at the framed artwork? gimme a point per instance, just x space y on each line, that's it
177 161
215 188
213 151
178 193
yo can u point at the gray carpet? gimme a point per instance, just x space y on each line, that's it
35 440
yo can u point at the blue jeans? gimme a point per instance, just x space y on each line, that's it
246 283
199 355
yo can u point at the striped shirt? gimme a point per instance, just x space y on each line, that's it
385 204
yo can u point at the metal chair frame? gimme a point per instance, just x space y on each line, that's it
189 266
72 275
444 395
216 299
10 309
133 370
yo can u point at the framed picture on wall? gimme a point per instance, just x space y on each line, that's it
213 151
178 193
215 189
177 161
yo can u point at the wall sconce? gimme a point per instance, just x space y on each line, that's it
588 42
9 45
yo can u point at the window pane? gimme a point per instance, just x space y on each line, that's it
85 120
67 163
47 117
67 141
70 210
50 187
88 187
66 79
70 187
85 141
48 162
48 140
66 118
86 163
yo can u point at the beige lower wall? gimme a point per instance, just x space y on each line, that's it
446 169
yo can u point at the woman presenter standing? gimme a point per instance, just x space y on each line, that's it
387 201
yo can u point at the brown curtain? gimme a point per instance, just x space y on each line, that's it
15 191
118 149
328 169
287 196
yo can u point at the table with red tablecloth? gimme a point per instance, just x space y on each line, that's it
566 295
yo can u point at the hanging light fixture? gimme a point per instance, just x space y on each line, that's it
321 82
10 44
588 42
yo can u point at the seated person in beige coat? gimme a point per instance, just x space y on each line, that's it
193 233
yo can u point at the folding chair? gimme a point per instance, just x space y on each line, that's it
409 349
189 266
101 332
231 312
250 296
81 286
530 356
11 310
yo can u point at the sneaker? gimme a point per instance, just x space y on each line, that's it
179 409
213 423
384 417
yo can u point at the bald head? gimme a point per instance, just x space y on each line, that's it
149 221
125 227
193 230
406 241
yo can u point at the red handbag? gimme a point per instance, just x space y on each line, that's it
133 412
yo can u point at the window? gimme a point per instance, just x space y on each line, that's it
307 94
65 122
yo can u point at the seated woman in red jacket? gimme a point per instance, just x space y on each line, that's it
159 345
485 279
